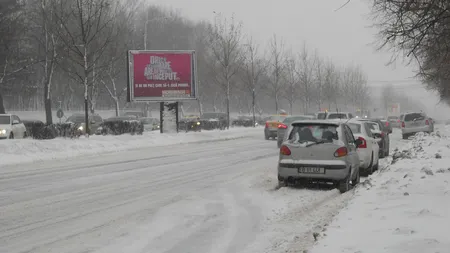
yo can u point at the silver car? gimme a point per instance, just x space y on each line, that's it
319 151
416 122
283 126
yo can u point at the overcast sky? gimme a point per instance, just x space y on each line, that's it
344 35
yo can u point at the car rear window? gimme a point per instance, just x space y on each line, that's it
5 120
337 116
356 128
412 116
313 133
392 118
374 126
321 115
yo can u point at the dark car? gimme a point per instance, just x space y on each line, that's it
190 124
383 135
243 121
388 125
214 120
150 124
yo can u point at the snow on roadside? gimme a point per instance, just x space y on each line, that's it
404 208
29 150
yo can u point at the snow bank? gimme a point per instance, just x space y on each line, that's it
29 150
404 208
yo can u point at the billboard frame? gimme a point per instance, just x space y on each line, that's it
130 77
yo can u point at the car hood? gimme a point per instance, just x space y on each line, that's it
5 126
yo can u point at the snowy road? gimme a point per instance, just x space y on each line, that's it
207 197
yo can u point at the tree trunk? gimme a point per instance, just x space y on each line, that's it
2 107
276 103
48 105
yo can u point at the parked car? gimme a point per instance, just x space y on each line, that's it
243 121
321 115
380 132
214 120
150 124
319 151
387 125
394 121
137 114
11 127
369 149
283 126
190 123
339 115
271 128
95 122
415 122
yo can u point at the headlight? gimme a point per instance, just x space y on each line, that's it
2 131
198 123
80 128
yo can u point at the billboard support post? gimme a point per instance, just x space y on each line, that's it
177 120
161 117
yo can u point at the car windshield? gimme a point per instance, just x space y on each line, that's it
374 126
5 120
337 116
148 121
414 116
323 133
289 120
356 128
76 119
322 115
213 115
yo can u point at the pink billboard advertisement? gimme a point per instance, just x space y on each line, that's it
161 75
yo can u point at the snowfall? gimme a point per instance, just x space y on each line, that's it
214 192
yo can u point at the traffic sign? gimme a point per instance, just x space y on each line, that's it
60 113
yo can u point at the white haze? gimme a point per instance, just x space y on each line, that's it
342 35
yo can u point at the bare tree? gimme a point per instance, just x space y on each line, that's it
319 80
419 31
86 32
253 68
275 70
225 38
388 96
306 74
292 90
331 84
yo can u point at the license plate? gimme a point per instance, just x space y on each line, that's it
274 125
311 170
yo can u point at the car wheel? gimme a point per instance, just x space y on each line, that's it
369 170
344 185
375 167
11 135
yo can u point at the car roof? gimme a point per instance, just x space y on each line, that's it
338 112
315 121
5 114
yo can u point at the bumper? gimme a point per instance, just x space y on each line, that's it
334 171
413 130
271 132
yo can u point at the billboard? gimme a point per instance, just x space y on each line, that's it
161 75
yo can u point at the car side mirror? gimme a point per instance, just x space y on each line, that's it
358 142
15 122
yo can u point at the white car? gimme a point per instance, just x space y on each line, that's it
339 115
11 127
415 122
369 150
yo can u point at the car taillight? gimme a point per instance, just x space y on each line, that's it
403 124
398 121
284 150
427 122
382 134
340 152
267 124
282 126
363 142
387 123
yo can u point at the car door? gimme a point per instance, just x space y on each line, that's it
18 129
372 142
352 154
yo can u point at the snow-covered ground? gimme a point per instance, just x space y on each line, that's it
404 208
28 150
